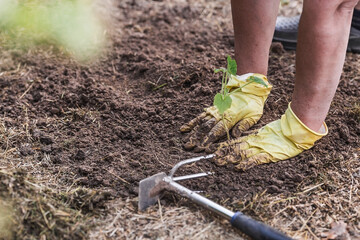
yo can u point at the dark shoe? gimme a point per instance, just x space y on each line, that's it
354 41
286 30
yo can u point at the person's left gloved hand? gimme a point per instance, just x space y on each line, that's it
278 140
246 109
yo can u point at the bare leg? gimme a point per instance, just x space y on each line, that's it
323 36
254 24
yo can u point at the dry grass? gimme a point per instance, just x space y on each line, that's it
309 213
290 8
160 222
355 111
34 206
28 208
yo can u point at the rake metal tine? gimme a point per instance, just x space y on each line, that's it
191 160
191 176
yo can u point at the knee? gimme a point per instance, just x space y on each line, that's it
333 6
347 5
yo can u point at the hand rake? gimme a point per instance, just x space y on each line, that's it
151 188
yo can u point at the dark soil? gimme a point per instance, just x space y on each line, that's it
116 122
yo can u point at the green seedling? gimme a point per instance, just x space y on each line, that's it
222 100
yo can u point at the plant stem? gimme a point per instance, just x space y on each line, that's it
251 81
222 84
239 89
226 79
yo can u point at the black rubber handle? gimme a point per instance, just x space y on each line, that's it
254 229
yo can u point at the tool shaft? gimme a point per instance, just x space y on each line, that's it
254 229
197 198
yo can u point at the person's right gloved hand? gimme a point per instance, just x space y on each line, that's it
279 140
246 109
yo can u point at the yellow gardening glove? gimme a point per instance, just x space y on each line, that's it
246 109
278 140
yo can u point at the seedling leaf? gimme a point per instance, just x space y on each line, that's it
232 66
258 80
222 102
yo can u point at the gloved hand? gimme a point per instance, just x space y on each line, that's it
246 109
278 140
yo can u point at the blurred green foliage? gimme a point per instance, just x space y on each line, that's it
71 24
